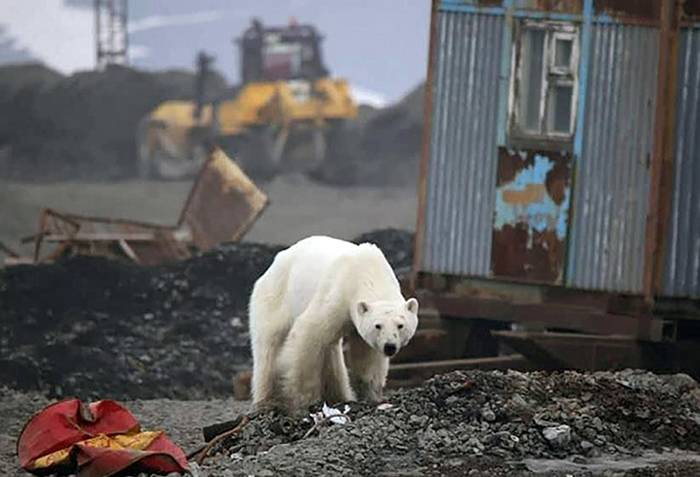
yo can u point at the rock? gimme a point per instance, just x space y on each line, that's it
488 415
558 437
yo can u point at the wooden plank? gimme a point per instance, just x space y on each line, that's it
419 238
661 174
100 237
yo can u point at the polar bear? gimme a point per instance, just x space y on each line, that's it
316 292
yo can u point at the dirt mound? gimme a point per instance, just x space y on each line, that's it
80 126
92 327
496 416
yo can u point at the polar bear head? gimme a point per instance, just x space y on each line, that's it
387 326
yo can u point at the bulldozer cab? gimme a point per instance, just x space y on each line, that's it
281 53
282 116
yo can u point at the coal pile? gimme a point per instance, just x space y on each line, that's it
396 244
493 417
98 328
81 126
382 148
84 126
93 327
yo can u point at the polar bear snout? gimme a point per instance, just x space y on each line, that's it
390 349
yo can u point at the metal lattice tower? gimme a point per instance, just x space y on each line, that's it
111 34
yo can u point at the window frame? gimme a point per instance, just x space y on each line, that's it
551 76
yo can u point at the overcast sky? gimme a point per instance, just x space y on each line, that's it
379 45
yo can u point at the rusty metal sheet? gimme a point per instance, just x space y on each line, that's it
556 6
531 215
577 351
691 10
640 9
223 203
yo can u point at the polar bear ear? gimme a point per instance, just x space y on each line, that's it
412 305
362 308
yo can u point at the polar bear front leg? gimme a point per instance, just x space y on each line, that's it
301 365
368 369
336 381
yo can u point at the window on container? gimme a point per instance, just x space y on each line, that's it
544 83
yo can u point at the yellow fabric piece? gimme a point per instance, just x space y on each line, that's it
137 441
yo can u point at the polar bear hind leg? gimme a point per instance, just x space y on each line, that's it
269 327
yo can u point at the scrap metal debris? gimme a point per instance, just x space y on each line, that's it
222 205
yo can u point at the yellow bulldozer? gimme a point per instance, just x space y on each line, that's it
283 116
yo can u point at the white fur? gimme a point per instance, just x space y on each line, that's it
314 293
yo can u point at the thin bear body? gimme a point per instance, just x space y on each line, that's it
316 292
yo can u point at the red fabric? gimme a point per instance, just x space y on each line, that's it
62 425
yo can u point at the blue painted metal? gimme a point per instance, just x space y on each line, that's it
462 168
541 214
584 66
682 257
611 185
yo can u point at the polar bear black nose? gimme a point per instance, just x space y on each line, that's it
390 349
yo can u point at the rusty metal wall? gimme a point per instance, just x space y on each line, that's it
606 248
682 259
463 156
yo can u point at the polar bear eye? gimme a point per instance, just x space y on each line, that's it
378 326
401 327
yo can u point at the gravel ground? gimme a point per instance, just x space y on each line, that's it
628 423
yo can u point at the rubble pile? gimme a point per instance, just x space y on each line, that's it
92 327
492 416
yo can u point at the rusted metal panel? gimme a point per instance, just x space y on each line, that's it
682 258
585 319
691 10
612 178
223 203
664 144
556 6
462 168
555 351
531 216
640 9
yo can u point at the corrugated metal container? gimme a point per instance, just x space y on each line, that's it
462 171
606 249
682 259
